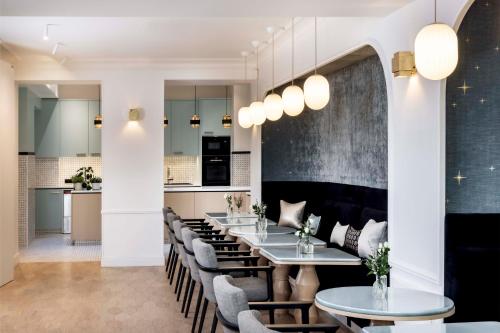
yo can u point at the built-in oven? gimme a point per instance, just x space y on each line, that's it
216 161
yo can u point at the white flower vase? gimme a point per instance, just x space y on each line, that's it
305 246
96 186
380 287
261 224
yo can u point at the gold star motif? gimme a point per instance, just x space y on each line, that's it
459 178
482 100
464 87
454 104
492 168
477 67
497 48
467 39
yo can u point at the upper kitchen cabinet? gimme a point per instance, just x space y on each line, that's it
167 131
211 113
47 129
185 139
74 128
94 133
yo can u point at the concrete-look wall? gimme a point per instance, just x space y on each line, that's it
8 172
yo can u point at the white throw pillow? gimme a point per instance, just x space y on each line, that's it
338 234
372 234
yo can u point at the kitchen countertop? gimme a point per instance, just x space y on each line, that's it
206 188
85 191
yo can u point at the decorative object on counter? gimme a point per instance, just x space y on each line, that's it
96 183
259 209
195 119
226 120
86 173
304 245
238 201
229 201
378 264
77 182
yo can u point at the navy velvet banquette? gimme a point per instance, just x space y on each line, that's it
347 204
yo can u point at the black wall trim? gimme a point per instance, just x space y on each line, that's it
26 153
240 152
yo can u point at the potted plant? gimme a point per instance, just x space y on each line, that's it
305 245
87 173
77 182
96 183
378 264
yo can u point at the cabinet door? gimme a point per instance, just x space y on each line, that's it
181 202
185 139
47 129
208 202
94 133
167 132
74 128
49 210
211 113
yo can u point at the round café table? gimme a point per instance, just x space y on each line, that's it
399 305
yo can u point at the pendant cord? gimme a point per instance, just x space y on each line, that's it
195 102
272 90
245 57
293 49
226 100
435 11
257 83
315 45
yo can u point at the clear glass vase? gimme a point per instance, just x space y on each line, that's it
261 224
229 211
380 287
305 246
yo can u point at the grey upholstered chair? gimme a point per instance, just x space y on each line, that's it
210 266
250 321
188 236
171 250
178 225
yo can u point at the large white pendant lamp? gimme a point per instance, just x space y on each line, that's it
244 118
316 87
293 96
257 111
436 50
273 104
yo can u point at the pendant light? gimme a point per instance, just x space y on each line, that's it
195 119
316 87
257 112
226 120
293 96
165 121
244 119
98 118
273 104
436 50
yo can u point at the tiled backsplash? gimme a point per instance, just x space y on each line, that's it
26 199
51 172
183 169
240 169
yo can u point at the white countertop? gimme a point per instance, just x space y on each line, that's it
85 191
176 188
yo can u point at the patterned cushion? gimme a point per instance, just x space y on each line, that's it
351 239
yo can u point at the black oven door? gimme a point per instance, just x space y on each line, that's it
216 145
216 171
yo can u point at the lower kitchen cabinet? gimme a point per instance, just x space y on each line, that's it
85 217
208 202
181 202
49 210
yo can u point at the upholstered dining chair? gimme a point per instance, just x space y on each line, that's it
249 321
210 265
166 211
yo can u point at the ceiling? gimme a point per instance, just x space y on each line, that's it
159 29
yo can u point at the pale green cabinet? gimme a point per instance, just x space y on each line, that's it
74 128
211 113
94 133
47 129
185 139
167 132
49 210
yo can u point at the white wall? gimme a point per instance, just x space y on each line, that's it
241 136
8 172
415 129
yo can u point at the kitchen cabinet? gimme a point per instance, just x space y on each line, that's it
185 139
167 131
74 128
94 133
86 216
211 113
49 210
47 129
181 202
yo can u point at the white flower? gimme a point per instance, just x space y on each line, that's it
386 245
306 230
297 233
380 245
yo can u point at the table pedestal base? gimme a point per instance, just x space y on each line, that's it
281 286
306 285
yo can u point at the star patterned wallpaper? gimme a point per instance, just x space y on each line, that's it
473 115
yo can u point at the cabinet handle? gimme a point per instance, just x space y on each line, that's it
81 155
178 153
216 160
95 154
54 192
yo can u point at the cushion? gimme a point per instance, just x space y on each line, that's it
230 299
254 287
314 223
249 321
351 239
291 214
338 234
372 234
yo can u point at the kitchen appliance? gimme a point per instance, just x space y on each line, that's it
67 212
216 161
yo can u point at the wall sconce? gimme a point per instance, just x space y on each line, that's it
134 114
403 64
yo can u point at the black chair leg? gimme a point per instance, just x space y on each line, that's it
197 310
169 258
188 286
202 318
181 269
190 297
214 322
183 275
173 268
172 263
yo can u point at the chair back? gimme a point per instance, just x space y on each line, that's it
178 226
188 236
165 212
249 322
231 300
206 260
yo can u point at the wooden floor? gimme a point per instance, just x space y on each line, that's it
83 297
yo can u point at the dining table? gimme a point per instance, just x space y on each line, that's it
470 327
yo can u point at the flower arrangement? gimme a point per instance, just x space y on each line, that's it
229 199
259 209
378 263
305 231
238 201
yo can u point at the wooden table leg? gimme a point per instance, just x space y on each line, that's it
281 287
307 284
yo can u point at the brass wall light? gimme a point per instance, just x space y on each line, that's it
403 64
134 114
98 121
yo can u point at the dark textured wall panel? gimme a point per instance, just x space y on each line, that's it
473 115
346 142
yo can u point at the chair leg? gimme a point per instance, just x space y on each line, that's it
198 303
169 257
214 322
172 263
173 268
183 275
181 269
188 286
202 318
190 297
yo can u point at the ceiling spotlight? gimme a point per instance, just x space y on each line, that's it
46 32
56 47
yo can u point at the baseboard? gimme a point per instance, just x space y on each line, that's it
132 261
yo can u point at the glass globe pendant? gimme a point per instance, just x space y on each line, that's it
257 113
293 100
244 118
273 105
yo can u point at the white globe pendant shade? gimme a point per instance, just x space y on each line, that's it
293 100
273 105
244 118
316 92
436 51
257 113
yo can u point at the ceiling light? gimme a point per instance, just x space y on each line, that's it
316 87
293 96
226 119
98 121
244 118
436 50
273 105
56 47
46 32
195 119
165 121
